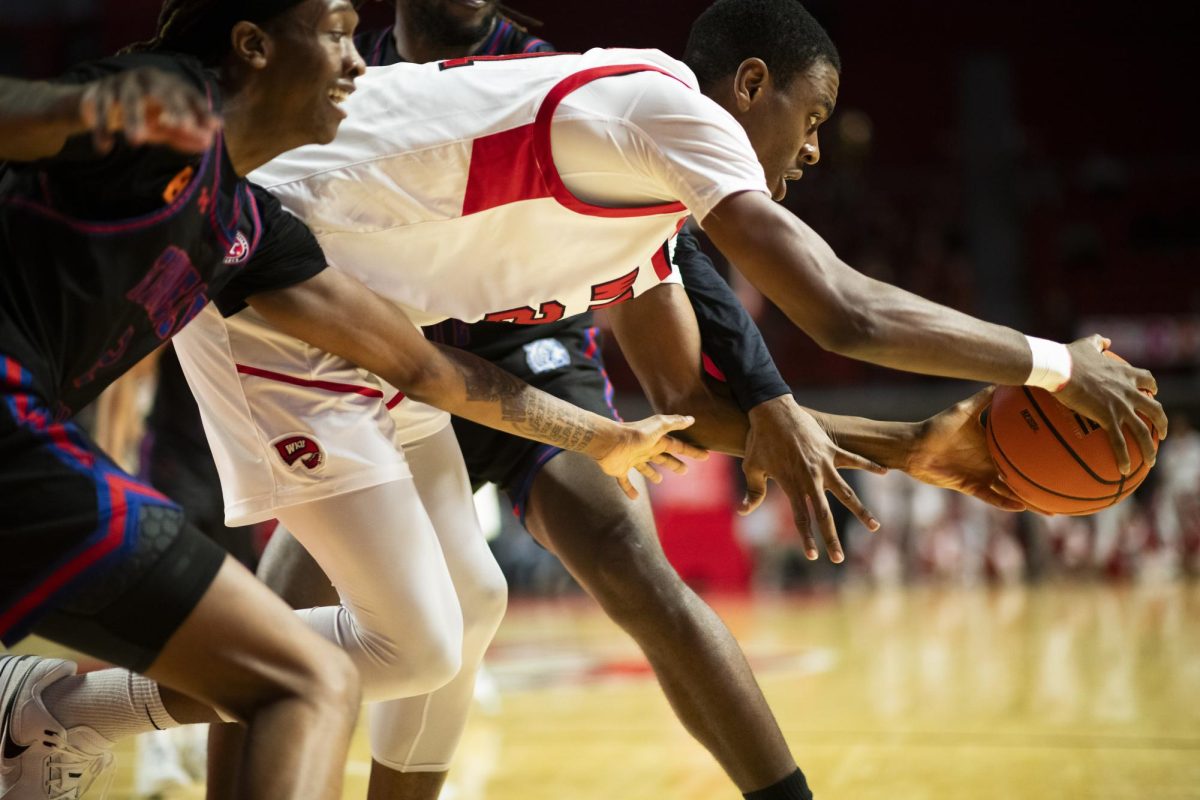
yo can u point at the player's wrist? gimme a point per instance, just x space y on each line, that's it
907 447
1051 364
608 437
768 409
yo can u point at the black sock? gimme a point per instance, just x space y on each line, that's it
793 787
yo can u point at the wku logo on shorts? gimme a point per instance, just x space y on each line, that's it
300 449
239 250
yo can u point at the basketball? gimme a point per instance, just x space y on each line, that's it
1055 460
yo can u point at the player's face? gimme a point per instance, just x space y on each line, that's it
783 127
451 23
313 67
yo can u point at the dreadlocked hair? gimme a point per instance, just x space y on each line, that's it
201 28
176 21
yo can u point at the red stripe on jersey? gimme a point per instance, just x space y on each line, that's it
117 485
329 386
711 368
504 170
662 267
545 153
395 401
518 164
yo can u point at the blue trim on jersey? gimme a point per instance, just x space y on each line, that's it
519 495
69 446
595 357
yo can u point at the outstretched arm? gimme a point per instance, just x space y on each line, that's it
658 334
854 315
336 313
799 448
147 105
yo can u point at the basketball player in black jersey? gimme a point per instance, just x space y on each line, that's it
122 213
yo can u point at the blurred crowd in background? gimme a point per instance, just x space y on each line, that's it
1030 163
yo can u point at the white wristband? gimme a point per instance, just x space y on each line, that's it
1051 364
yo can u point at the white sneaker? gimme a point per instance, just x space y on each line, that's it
79 765
39 759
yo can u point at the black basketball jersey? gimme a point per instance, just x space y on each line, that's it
105 257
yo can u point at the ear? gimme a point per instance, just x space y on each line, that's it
751 78
251 45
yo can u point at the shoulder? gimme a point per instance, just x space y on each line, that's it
653 60
280 226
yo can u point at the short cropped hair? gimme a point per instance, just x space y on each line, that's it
780 32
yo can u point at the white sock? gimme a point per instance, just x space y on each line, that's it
115 703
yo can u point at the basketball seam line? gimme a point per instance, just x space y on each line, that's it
1023 476
1050 425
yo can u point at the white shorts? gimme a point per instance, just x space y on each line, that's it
288 423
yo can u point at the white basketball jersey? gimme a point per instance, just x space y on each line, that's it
440 192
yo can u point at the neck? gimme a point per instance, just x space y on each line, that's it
416 47
250 142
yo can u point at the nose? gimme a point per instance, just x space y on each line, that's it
356 67
810 153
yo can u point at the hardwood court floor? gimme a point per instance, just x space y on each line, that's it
1081 691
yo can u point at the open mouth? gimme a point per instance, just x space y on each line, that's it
337 97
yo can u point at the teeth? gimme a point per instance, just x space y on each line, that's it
338 96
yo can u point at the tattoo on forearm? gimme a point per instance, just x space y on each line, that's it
531 412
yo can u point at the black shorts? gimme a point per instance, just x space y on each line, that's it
562 359
89 556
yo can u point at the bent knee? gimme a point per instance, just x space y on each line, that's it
335 679
412 666
320 675
484 606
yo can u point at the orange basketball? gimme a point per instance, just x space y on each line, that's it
1055 460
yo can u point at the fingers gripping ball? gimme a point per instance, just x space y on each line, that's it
1054 459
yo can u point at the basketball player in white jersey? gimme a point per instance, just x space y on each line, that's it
511 190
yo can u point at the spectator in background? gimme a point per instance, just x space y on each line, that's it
1177 506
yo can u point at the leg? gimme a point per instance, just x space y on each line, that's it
297 694
414 739
269 671
399 616
609 544
287 569
104 564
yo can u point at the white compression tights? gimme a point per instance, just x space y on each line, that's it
421 598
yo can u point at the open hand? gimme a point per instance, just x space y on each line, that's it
951 452
645 443
149 107
1113 394
786 443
